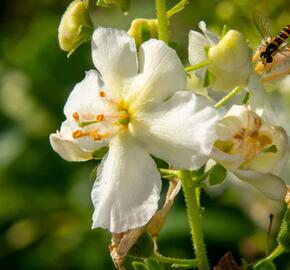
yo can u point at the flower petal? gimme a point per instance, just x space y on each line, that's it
196 53
114 56
180 130
85 96
229 161
126 192
273 162
161 74
66 147
271 185
212 38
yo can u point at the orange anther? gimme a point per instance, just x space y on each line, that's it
76 116
102 93
96 136
100 117
77 134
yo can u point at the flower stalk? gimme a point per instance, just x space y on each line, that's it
163 33
194 218
197 66
162 259
228 97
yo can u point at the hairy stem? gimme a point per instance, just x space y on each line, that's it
163 259
195 219
162 19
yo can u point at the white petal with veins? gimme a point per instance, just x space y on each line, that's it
180 130
126 193
114 55
63 143
161 74
271 185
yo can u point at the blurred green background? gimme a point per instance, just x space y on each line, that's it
45 205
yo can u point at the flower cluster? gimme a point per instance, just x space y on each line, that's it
134 106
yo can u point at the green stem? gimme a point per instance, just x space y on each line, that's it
197 66
168 172
177 8
275 253
162 20
228 97
195 219
163 259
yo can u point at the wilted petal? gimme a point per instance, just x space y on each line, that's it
161 74
126 192
180 130
114 56
271 185
66 147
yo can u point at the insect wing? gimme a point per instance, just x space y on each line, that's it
262 23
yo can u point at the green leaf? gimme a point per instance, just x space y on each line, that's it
139 266
208 79
93 174
284 233
144 247
271 149
99 154
224 31
217 175
246 98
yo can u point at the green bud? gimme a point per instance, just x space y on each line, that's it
124 5
230 62
143 29
284 233
75 27
144 247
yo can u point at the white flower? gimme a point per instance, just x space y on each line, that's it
253 150
133 107
229 57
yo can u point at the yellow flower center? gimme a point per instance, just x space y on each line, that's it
104 125
248 141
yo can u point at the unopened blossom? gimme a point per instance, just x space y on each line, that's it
134 104
75 26
143 29
254 150
229 57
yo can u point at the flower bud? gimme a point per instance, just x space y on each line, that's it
143 29
230 61
124 5
75 27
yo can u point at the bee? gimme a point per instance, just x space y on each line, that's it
270 46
